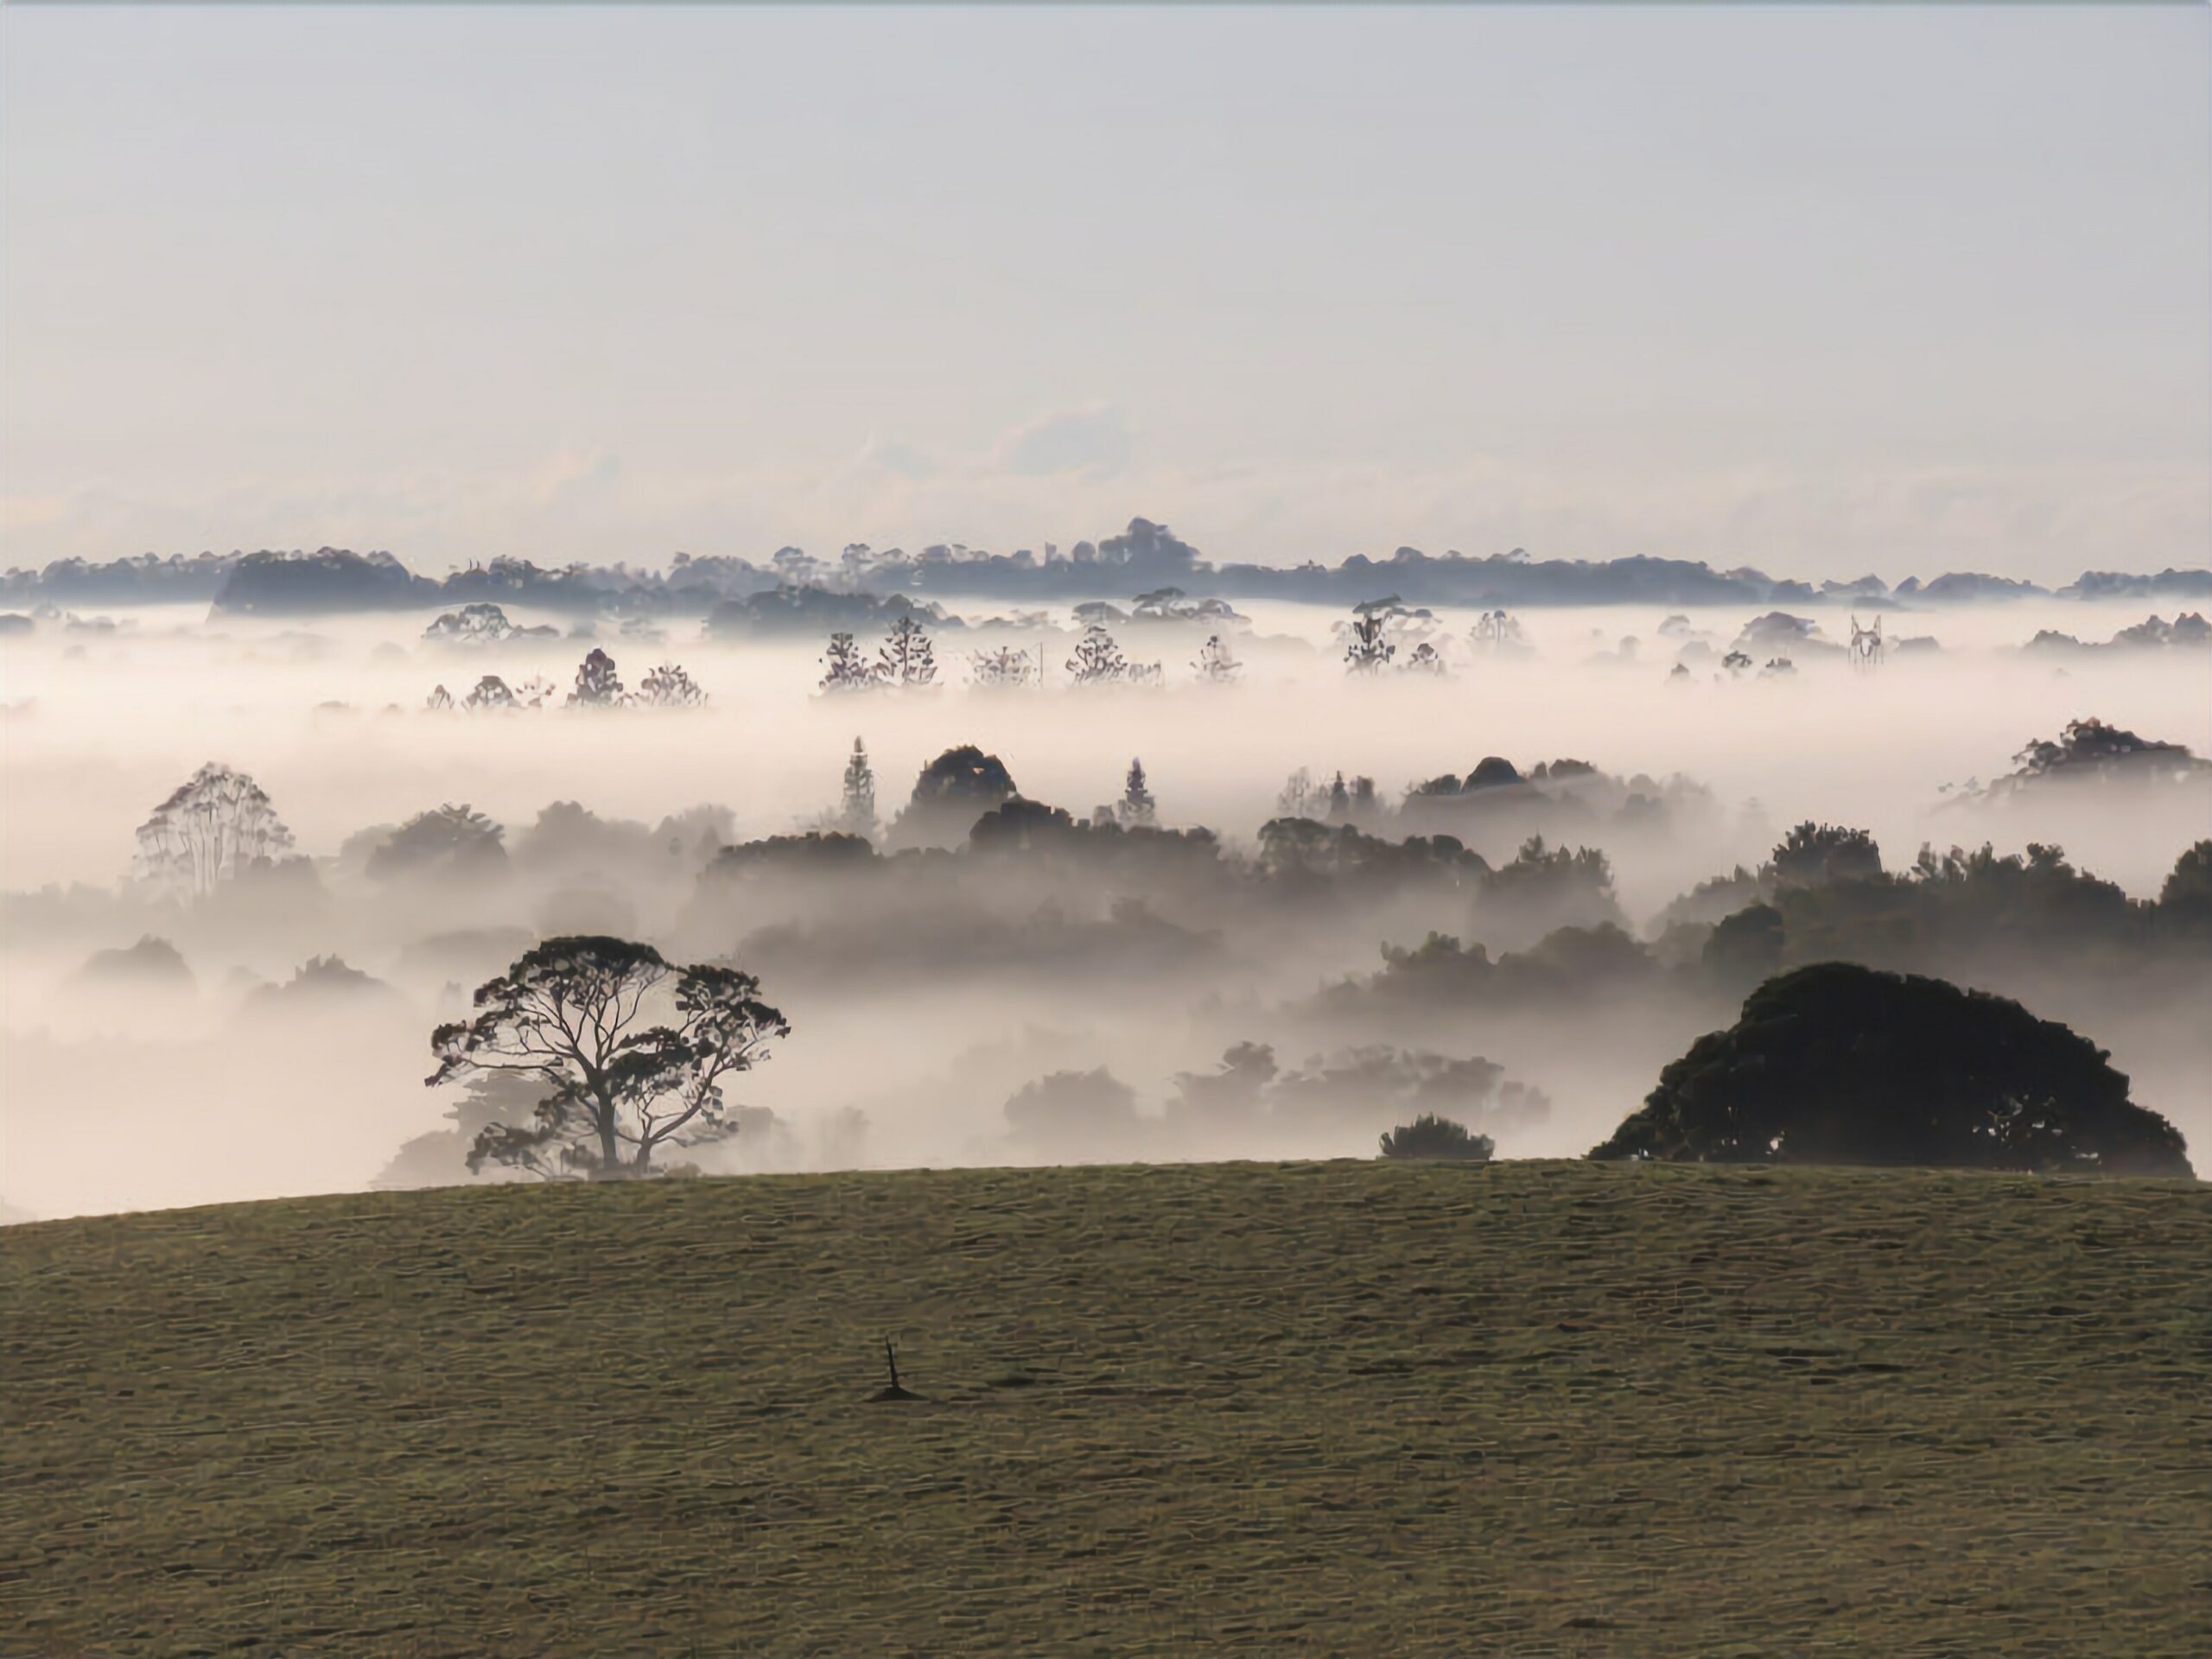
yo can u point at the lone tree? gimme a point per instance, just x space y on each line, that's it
216 825
856 810
906 660
1137 804
1431 1137
598 686
669 687
1836 1064
630 1052
844 667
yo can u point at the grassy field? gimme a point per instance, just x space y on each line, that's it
1343 1408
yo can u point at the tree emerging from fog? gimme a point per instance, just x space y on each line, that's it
1006 668
598 686
669 687
856 805
844 667
1137 805
630 1052
907 659
491 692
1097 660
447 840
215 826
1366 650
1217 663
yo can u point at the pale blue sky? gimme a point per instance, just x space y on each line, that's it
1826 291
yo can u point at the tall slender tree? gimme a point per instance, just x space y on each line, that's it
1137 804
856 810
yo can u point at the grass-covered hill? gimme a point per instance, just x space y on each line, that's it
1356 1409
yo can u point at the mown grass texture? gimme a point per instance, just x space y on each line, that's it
1366 1409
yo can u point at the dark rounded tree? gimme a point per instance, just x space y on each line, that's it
1432 1137
1836 1064
950 794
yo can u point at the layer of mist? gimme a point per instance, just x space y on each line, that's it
1041 990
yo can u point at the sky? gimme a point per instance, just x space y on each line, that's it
1828 292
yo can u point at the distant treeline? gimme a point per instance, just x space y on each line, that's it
1145 555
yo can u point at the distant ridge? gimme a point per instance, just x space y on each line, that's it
1145 557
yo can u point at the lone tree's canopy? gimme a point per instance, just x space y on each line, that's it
630 1052
1837 1064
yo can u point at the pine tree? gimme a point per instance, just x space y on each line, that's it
907 659
846 668
1137 804
856 812
598 686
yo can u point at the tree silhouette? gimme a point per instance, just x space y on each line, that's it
215 826
491 692
906 660
1836 1064
1366 651
1217 663
631 1054
1006 667
479 624
669 687
1431 1137
1813 854
1097 660
447 840
597 684
845 668
856 810
1137 805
